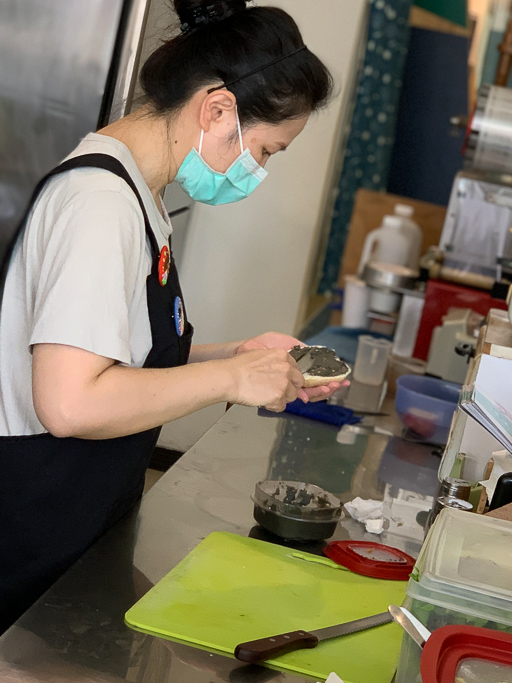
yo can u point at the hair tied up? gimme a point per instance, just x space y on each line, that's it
195 15
258 53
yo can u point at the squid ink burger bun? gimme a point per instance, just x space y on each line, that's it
319 365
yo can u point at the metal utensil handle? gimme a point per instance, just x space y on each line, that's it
263 649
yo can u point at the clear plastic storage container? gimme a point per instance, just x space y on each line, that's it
463 575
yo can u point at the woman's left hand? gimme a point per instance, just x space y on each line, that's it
325 391
269 340
275 340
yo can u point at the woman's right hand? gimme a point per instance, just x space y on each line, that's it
268 378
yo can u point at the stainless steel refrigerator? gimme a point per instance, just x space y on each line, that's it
67 67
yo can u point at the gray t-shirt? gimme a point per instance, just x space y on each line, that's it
78 277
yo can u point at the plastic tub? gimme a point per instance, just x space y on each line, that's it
425 405
295 510
371 360
462 577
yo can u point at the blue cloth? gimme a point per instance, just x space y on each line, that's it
323 412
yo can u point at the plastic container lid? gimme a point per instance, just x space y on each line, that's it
465 565
449 646
371 559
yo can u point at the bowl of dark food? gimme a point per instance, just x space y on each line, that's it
296 511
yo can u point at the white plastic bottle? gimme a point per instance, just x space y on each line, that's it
390 243
406 213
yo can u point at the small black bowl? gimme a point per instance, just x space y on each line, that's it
296 511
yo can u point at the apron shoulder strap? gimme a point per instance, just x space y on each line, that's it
104 161
108 163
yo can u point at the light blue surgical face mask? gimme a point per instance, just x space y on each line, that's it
205 185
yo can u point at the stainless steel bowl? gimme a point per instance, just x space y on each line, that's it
389 276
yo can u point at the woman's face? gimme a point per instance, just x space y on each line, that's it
264 140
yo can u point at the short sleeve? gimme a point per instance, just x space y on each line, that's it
90 266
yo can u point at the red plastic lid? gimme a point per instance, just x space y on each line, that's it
448 646
371 559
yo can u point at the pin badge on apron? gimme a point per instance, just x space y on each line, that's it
179 316
164 266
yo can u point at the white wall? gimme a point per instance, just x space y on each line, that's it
246 267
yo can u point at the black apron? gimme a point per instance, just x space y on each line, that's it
58 495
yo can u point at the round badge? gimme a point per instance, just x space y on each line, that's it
164 266
179 316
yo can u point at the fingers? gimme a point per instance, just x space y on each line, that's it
325 391
309 394
292 394
297 378
276 340
269 340
303 395
320 396
277 406
319 392
265 377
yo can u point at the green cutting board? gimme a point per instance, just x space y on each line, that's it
231 589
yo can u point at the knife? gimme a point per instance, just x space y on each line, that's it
411 625
260 650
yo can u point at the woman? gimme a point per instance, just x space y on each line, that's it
95 345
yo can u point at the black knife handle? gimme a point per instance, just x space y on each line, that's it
503 492
266 648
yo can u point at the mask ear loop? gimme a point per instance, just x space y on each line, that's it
239 135
240 132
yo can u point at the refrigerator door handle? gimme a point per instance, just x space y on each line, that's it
125 61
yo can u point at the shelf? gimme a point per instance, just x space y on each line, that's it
496 336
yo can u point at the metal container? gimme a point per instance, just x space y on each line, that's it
455 488
389 276
442 503
489 143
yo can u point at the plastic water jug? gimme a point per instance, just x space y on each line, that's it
391 243
406 213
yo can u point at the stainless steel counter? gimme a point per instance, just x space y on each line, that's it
76 631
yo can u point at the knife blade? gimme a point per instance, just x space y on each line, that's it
419 633
260 650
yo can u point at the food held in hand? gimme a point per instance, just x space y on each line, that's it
319 365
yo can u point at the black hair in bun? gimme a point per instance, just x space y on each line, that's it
195 13
255 52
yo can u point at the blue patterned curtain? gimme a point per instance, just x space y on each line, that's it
371 137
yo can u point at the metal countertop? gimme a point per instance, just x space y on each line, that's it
76 631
